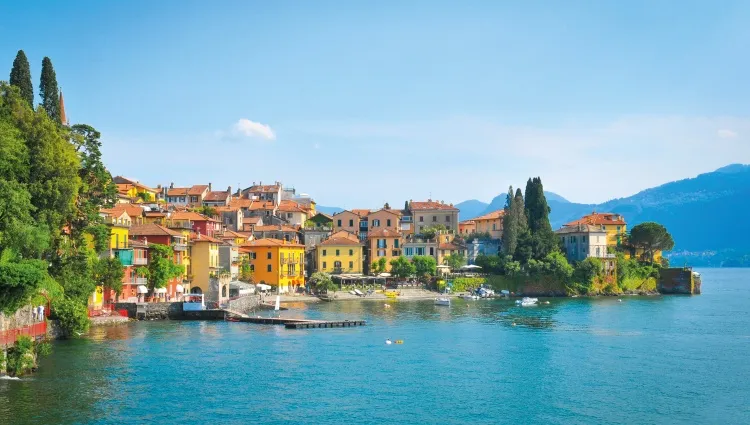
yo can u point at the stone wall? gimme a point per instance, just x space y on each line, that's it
244 305
22 317
677 281
154 311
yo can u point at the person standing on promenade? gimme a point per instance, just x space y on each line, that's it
41 313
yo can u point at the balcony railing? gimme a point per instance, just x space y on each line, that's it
140 261
180 246
141 281
180 225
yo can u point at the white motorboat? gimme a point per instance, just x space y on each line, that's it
443 301
470 297
526 301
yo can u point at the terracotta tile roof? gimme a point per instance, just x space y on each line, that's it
247 235
154 214
225 208
188 215
494 215
384 232
448 246
322 214
291 206
344 234
340 241
361 212
267 188
216 196
599 219
261 205
240 203
132 210
430 205
274 228
397 213
134 243
177 191
231 234
580 228
197 237
466 222
124 180
251 220
123 188
197 189
266 242
152 230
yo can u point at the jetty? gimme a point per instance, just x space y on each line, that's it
295 323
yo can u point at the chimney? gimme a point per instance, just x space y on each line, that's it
209 186
158 186
171 185
229 190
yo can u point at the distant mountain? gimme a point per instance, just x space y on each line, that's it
705 213
328 210
471 208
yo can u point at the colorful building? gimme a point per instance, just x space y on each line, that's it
135 190
277 263
613 224
204 264
293 213
491 223
157 234
384 243
341 253
431 213
467 227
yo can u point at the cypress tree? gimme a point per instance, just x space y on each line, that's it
537 212
48 90
20 76
510 227
523 250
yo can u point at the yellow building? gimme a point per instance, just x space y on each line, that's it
616 228
204 262
277 263
491 223
120 223
341 253
237 238
134 189
384 243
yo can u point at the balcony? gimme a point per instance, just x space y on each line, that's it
140 261
120 222
141 281
180 225
180 247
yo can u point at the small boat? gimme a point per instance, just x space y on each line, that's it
470 297
526 301
442 301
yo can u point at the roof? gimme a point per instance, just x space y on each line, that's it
384 232
177 191
131 209
266 242
197 237
261 205
154 214
291 206
251 220
137 244
232 234
268 188
390 211
124 180
197 189
216 196
466 222
340 241
188 215
274 228
361 212
599 219
123 188
152 229
240 203
431 205
448 245
580 228
494 215
327 217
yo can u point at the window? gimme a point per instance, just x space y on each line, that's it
338 223
409 251
351 252
324 265
618 228
562 238
351 223
432 251
388 222
395 243
584 239
337 264
269 256
376 223
269 268
434 218
381 253
253 255
447 219
598 252
252 267
420 250
324 252
395 253
337 252
382 243
351 265
494 226
443 251
288 215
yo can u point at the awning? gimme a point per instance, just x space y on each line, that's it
142 289
262 286
179 288
160 290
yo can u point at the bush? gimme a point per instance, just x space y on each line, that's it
21 359
462 284
73 317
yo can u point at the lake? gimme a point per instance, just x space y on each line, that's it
662 359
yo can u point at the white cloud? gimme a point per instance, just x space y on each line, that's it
726 134
246 128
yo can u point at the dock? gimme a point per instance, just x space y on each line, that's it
298 323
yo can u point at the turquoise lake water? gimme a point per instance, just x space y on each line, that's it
659 360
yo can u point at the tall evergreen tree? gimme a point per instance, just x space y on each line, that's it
510 227
537 212
20 76
523 249
48 90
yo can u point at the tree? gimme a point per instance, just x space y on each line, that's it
18 282
510 225
431 231
207 211
322 282
537 213
378 267
651 237
20 76
402 268
48 90
454 261
97 190
161 266
424 266
109 272
246 273
73 316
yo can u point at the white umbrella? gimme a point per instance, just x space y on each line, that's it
470 267
160 290
443 266
142 289
262 287
179 288
384 275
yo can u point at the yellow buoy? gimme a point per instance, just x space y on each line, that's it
399 341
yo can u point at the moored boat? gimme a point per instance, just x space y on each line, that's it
443 301
526 301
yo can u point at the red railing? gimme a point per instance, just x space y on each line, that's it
104 310
9 337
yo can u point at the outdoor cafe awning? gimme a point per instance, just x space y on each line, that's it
142 289
262 286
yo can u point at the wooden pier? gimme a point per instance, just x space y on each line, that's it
298 323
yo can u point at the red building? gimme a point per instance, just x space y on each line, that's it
149 234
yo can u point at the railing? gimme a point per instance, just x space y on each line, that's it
180 246
141 281
10 336
140 261
179 225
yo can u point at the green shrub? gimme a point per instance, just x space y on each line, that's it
21 359
73 316
462 284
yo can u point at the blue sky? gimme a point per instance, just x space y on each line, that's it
358 103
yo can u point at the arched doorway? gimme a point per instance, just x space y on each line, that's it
196 290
